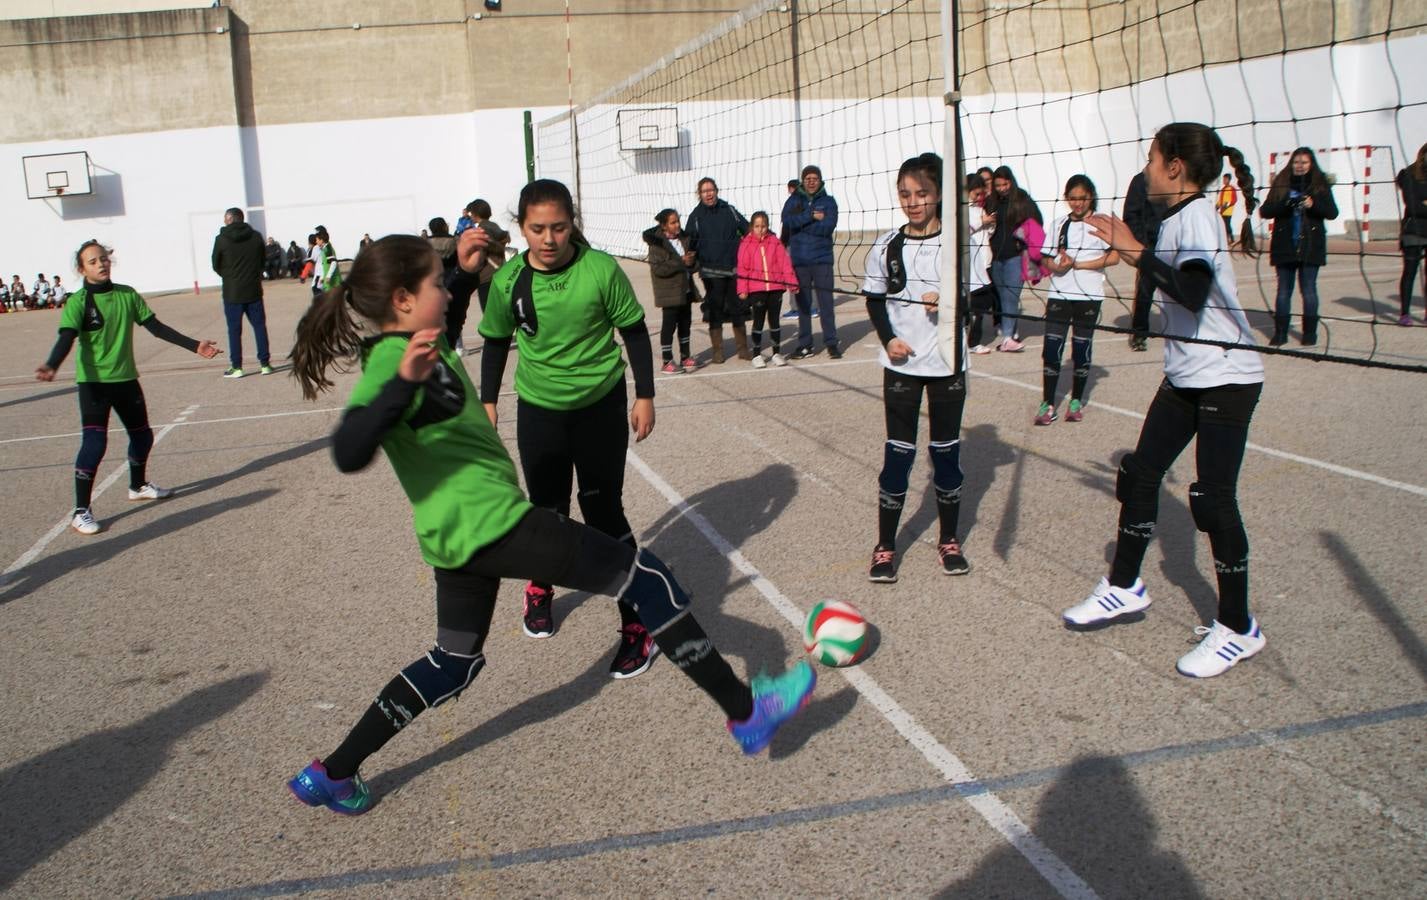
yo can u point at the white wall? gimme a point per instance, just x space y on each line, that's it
159 197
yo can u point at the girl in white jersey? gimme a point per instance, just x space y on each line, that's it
1209 393
1077 262
902 285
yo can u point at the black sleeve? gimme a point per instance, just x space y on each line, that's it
61 348
356 440
877 312
165 333
493 356
1188 285
641 358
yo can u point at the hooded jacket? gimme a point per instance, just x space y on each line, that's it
673 284
238 254
763 265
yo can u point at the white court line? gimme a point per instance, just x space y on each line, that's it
990 807
29 555
279 415
1267 451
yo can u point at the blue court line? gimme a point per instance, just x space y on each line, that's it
923 797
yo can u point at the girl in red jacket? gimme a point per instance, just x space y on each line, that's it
764 273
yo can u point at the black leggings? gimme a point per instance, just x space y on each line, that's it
767 308
1411 259
675 318
556 446
1060 315
720 302
96 399
1219 418
902 402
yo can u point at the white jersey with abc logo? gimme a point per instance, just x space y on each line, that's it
911 321
1081 245
1192 229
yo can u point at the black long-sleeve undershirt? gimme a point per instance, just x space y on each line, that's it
360 434
65 342
1189 285
637 347
881 320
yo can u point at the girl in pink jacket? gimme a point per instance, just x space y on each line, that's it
764 273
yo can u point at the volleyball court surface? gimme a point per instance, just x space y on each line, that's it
164 678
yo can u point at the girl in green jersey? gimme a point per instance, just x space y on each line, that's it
415 402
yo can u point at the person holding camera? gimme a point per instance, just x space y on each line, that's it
1299 201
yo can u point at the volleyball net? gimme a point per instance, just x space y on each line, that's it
1050 88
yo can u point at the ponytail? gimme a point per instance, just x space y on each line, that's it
327 337
1245 178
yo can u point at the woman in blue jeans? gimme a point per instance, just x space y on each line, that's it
1016 216
1299 202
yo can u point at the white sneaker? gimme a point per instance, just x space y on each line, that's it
1108 602
1221 649
150 491
778 360
980 349
759 362
83 522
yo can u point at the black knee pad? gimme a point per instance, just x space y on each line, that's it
654 593
93 441
946 467
1215 507
1137 484
141 441
438 676
897 459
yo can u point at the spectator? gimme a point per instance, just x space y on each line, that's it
671 269
714 230
61 293
810 216
1412 182
366 239
42 292
445 246
309 262
272 259
987 176
765 272
465 221
4 297
1016 241
792 312
480 213
1228 199
238 259
295 258
980 295
1299 201
1143 215
18 298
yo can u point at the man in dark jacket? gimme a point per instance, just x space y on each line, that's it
715 229
238 259
1143 216
810 217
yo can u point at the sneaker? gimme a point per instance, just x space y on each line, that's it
884 570
1075 412
1046 415
1405 321
84 522
539 619
233 372
265 369
1139 344
635 653
1011 345
981 349
775 701
1108 602
952 560
813 312
348 796
834 351
759 362
669 368
1221 649
150 491
803 353
791 314
778 360
689 365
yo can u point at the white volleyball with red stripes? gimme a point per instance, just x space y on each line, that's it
835 633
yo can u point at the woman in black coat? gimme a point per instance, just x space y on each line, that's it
1412 182
1299 202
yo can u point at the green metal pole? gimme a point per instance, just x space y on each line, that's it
529 149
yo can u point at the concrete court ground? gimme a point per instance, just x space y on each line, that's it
163 679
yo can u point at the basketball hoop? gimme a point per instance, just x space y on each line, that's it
59 191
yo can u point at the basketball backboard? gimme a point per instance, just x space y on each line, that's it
648 129
57 175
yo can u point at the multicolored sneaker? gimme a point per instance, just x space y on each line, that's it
233 372
539 617
348 796
775 701
953 562
690 364
884 569
1045 415
635 653
266 369
669 367
1075 412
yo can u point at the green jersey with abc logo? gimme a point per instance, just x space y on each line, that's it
105 332
563 322
446 454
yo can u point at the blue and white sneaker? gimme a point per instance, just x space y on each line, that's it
775 701
348 796
1108 602
1221 649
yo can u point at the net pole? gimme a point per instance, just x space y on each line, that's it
951 226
